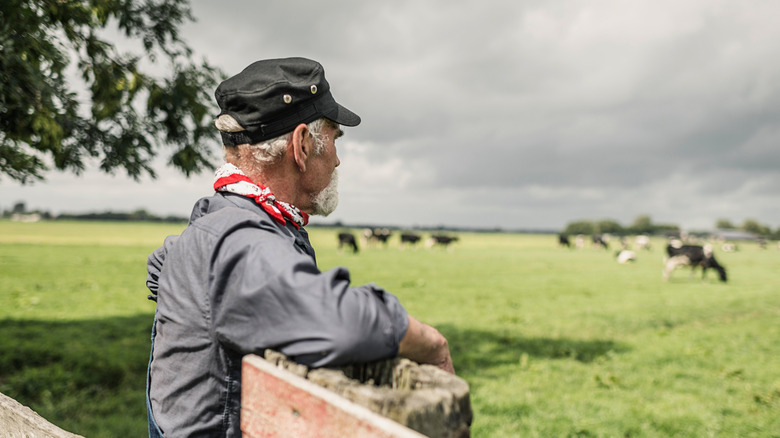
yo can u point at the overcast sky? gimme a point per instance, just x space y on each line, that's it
511 114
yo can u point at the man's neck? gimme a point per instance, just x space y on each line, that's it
281 184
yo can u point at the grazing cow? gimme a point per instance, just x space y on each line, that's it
693 256
642 242
625 256
674 262
409 239
376 235
441 240
600 241
563 240
579 241
729 247
348 239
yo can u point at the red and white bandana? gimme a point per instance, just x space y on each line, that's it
230 178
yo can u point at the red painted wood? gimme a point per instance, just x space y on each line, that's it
276 403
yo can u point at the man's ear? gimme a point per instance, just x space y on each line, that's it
301 145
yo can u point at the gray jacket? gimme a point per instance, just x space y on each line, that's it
237 282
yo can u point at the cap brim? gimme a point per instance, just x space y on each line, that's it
343 116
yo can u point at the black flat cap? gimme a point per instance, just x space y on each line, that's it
271 97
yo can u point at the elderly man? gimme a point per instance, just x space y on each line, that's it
242 277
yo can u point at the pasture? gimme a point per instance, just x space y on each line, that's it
553 342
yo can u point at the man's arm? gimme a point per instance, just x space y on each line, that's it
424 344
154 264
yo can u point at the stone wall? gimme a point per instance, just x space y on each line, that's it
420 397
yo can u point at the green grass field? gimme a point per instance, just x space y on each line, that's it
553 342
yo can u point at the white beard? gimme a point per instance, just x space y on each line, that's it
326 201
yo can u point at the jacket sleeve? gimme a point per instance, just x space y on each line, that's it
154 265
266 294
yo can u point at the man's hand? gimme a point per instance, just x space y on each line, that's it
424 344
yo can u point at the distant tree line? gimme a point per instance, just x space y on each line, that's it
137 215
21 208
644 225
749 226
641 225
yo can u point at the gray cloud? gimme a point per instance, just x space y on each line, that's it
542 112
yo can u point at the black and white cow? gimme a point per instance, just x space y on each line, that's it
376 235
625 256
348 239
600 241
642 242
563 240
693 256
441 240
409 239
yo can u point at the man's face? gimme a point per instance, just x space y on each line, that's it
326 201
324 178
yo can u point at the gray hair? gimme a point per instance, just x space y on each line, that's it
272 150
